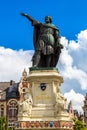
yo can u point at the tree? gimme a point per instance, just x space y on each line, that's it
78 125
4 124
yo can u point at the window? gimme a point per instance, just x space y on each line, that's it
86 113
12 111
2 110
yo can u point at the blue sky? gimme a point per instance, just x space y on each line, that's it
16 31
16 41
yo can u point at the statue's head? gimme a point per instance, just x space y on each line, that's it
48 19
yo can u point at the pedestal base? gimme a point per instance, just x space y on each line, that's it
49 109
44 125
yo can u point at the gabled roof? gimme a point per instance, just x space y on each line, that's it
3 87
12 91
8 90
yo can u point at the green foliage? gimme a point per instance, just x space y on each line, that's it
78 125
84 129
3 123
10 128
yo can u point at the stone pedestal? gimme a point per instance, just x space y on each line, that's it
43 105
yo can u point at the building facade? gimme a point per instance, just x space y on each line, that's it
85 109
9 97
3 87
10 93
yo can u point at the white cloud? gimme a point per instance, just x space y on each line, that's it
73 45
73 59
12 63
76 98
82 39
64 41
74 68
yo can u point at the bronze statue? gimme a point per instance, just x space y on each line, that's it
46 42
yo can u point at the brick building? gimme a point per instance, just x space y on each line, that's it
9 96
85 109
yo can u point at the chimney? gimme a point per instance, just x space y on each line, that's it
11 82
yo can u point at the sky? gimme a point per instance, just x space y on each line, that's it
16 41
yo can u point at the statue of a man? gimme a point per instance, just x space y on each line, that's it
25 105
46 42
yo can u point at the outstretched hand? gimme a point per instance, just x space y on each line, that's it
23 14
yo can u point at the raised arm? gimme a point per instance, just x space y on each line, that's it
33 21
